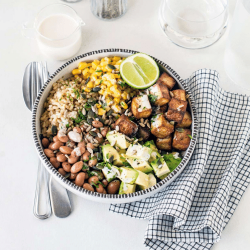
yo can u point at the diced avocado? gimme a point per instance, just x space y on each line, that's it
128 175
140 165
164 176
152 180
139 151
155 154
172 160
151 145
110 172
126 188
142 180
108 151
117 139
160 167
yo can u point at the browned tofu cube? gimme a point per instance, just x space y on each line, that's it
160 127
181 139
167 80
186 121
126 126
176 110
141 107
179 94
164 143
159 94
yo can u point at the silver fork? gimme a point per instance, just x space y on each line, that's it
56 195
36 74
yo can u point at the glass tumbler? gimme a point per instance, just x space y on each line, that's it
108 9
237 53
193 24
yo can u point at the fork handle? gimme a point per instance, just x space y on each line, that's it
42 185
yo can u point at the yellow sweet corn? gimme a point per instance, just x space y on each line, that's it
98 105
86 89
124 105
90 85
82 65
101 111
116 100
76 71
85 71
116 58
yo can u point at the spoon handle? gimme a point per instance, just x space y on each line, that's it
42 189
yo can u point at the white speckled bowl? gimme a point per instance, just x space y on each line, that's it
65 70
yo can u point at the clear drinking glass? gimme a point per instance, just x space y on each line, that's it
237 54
193 24
108 9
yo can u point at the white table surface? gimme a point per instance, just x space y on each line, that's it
91 225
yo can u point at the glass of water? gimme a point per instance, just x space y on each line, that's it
193 24
237 54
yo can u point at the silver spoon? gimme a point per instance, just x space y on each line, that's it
36 74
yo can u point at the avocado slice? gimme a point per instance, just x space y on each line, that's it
110 172
155 154
172 160
152 180
108 151
128 175
118 139
139 151
142 180
151 145
138 164
160 167
126 188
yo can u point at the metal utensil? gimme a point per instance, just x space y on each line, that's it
36 74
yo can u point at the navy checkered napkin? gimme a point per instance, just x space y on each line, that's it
192 211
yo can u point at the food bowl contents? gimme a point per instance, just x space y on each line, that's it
108 137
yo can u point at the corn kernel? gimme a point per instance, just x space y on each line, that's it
82 65
98 105
124 95
116 100
76 71
101 111
116 58
116 108
102 91
97 82
89 64
124 105
86 89
90 85
85 71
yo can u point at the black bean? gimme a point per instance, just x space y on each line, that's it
96 89
54 130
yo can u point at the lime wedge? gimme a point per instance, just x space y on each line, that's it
140 71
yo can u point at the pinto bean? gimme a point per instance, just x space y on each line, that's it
77 167
55 138
100 140
92 162
97 124
50 145
93 179
66 166
65 150
105 182
72 176
88 187
80 179
100 188
77 130
54 162
78 151
61 171
45 142
70 144
113 187
49 153
85 156
81 144
72 159
90 145
104 131
56 145
104 191
61 158
61 135
59 153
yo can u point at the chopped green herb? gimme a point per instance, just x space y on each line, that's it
98 71
152 98
190 136
67 126
122 84
101 81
